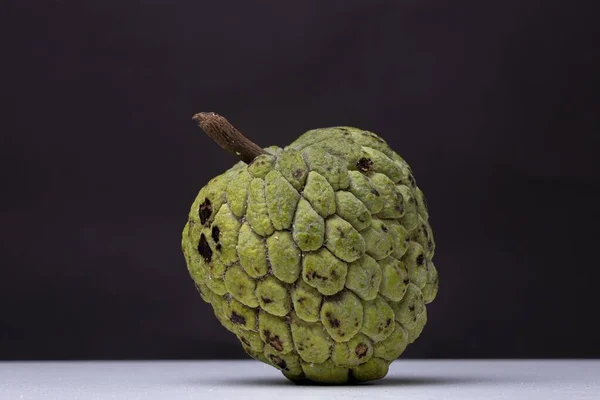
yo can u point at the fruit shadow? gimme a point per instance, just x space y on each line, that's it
400 381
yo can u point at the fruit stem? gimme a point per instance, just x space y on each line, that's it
226 136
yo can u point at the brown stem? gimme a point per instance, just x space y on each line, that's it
226 136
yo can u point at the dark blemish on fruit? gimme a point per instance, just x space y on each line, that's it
273 341
384 228
430 244
399 208
314 275
266 300
364 164
406 281
356 323
317 276
279 362
407 239
204 211
218 247
237 318
420 259
379 329
361 218
300 300
388 322
215 233
245 341
411 308
375 192
204 248
297 174
361 350
334 322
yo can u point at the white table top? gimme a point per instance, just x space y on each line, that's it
407 379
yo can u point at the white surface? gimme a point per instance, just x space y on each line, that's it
408 379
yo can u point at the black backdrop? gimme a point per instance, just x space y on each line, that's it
494 104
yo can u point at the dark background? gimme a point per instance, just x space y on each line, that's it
494 104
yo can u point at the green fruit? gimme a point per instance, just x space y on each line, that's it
317 256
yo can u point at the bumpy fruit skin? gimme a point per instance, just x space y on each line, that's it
318 256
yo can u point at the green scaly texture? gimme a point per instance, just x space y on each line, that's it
317 256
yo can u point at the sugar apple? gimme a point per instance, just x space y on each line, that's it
318 255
